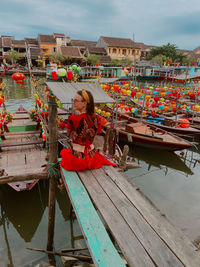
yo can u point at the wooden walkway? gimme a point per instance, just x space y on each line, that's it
144 236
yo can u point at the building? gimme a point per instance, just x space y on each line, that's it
47 45
5 46
119 48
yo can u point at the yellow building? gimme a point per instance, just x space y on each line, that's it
119 48
47 45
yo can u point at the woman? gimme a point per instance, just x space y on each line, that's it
82 130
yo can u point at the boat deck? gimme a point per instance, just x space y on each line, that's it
144 235
23 154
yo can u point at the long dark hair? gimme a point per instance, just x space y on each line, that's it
90 105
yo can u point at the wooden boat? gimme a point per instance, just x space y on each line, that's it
140 133
22 150
173 125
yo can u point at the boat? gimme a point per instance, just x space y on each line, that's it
176 125
22 150
139 133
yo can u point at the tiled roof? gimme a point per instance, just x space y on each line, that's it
119 42
61 35
83 43
46 39
185 51
142 46
33 41
70 51
7 41
18 42
97 50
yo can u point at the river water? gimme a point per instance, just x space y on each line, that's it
170 180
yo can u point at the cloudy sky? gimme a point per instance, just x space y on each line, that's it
154 22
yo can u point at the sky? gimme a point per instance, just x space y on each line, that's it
155 22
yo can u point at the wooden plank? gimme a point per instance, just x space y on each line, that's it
178 243
156 248
23 177
34 142
132 249
25 133
102 250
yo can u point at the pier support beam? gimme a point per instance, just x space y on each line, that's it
53 137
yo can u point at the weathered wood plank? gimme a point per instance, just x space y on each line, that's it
23 177
25 133
157 249
34 142
102 250
175 240
132 249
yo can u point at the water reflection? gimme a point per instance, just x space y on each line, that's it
16 95
160 159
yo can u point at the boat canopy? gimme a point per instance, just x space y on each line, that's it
66 91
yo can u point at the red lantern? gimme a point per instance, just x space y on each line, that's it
133 93
18 76
54 75
153 114
61 125
69 75
156 98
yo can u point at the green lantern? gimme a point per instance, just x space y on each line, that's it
62 72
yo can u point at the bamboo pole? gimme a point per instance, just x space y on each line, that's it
53 137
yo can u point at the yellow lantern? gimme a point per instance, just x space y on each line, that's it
108 114
148 97
144 113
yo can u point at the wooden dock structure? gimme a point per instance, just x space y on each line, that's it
144 236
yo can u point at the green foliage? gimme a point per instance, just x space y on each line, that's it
115 62
13 56
93 60
123 62
57 58
159 59
169 50
126 62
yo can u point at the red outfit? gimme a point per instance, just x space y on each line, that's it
82 130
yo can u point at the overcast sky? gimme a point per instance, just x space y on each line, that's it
154 22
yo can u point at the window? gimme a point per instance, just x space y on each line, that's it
54 49
124 51
114 50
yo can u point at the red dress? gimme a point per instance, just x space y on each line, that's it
82 130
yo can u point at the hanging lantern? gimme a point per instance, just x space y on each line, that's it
62 72
69 75
18 76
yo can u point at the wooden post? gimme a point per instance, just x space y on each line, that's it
53 137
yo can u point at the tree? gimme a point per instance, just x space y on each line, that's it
57 58
169 50
159 59
13 56
126 62
115 62
93 60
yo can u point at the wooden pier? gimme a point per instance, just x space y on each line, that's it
144 236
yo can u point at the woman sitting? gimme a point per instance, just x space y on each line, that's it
82 130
